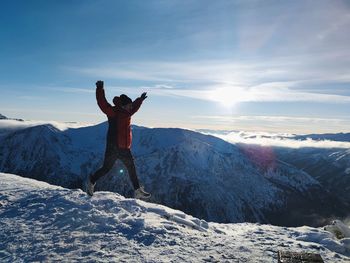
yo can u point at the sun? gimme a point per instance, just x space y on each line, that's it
228 96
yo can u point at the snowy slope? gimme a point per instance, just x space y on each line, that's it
199 174
41 222
212 179
47 152
326 157
331 167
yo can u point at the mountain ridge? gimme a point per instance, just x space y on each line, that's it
199 174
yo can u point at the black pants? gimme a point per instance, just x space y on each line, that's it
111 155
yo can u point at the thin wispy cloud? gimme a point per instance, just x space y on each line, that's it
272 118
230 95
72 90
28 97
44 111
120 71
284 79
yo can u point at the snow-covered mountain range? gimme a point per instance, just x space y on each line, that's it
326 157
331 167
46 223
199 174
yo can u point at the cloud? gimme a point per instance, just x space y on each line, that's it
280 140
269 92
44 111
73 90
14 125
292 124
278 52
272 118
121 71
30 97
282 79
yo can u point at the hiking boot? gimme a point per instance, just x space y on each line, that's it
89 187
141 193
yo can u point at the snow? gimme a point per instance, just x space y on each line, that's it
339 228
42 222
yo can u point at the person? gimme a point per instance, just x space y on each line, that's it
119 138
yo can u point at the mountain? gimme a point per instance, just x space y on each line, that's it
217 181
199 174
46 153
331 167
326 157
339 137
41 222
2 117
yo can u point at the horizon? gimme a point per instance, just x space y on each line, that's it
231 65
79 124
257 138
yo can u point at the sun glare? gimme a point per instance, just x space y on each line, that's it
229 96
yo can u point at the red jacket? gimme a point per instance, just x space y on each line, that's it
119 130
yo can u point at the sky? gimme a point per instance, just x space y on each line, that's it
278 66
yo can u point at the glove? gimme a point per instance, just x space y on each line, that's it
99 84
144 96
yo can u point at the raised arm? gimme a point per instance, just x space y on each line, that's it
137 103
101 100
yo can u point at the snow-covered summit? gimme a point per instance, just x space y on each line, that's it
41 222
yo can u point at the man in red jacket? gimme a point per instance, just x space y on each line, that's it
119 138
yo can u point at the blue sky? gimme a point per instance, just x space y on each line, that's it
239 65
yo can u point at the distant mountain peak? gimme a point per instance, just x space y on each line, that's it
3 117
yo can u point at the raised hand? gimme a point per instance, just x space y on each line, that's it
99 84
144 96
